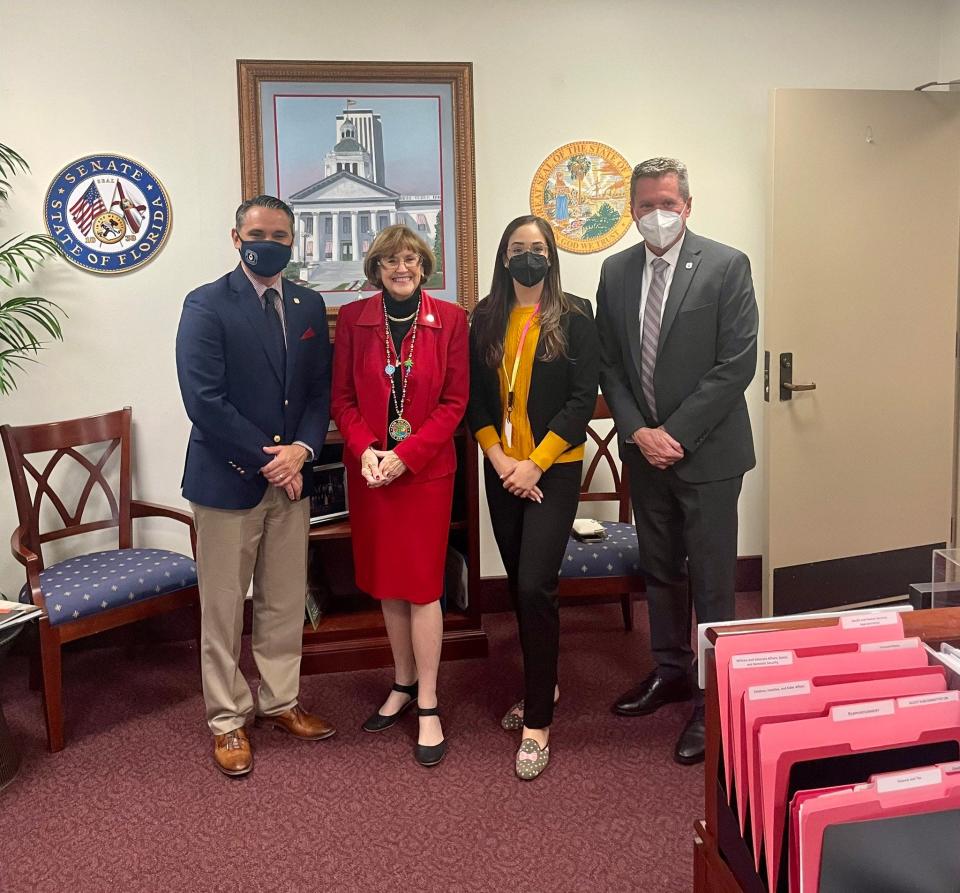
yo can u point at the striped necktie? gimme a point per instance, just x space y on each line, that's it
651 332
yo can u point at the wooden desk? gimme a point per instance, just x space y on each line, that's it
351 634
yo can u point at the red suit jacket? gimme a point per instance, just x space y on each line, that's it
437 389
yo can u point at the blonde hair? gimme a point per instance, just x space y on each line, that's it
390 242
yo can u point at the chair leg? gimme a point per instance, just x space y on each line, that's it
50 654
626 608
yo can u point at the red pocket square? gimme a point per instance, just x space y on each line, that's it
306 336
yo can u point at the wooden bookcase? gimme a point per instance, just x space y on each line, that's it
722 862
351 634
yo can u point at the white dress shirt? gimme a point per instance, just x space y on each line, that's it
671 258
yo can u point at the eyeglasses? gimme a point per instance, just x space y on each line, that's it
516 250
394 263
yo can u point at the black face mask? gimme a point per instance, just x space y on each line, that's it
528 268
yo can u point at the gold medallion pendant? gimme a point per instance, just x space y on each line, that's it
399 429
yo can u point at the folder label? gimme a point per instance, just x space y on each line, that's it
903 780
865 710
865 621
942 697
782 690
761 659
896 644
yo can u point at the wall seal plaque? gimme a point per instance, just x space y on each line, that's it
108 213
583 190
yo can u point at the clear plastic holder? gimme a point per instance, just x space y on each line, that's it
945 579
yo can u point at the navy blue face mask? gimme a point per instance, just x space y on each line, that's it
265 258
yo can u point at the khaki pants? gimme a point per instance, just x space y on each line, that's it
267 543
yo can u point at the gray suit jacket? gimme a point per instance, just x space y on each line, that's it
706 357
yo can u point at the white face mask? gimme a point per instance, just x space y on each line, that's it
660 228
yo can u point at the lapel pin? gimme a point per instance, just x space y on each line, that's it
689 267
429 317
296 300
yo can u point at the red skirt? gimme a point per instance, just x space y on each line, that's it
400 535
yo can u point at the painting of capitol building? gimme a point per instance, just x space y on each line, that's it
353 196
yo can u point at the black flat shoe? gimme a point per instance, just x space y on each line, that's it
429 755
379 723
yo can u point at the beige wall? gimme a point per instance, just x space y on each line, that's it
158 83
950 42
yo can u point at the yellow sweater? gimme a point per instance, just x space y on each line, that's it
552 448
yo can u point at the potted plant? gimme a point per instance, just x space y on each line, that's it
24 319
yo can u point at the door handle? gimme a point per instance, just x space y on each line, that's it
787 387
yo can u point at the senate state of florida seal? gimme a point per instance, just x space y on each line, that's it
583 190
108 213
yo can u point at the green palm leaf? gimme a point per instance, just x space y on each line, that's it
27 322
10 161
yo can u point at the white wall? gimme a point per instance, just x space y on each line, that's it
158 83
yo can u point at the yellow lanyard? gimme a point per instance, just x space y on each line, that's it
516 360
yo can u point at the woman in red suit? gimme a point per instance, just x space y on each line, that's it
400 389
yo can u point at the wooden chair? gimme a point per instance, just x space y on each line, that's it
611 567
97 591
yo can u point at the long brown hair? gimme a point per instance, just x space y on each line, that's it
491 315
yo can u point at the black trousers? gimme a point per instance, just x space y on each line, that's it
532 538
682 529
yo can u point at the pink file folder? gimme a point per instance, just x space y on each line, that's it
874 626
845 730
889 795
809 697
773 667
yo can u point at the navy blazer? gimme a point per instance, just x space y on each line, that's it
235 395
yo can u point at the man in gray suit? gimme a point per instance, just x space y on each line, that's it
677 319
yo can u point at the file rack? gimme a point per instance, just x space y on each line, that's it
722 860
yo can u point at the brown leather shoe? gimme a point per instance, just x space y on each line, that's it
232 753
298 723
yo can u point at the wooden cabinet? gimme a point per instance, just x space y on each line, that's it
350 633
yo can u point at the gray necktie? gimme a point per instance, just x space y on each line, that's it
275 326
651 331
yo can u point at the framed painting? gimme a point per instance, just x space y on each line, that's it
354 147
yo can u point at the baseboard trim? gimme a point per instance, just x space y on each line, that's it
494 597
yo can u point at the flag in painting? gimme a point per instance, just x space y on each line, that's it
87 208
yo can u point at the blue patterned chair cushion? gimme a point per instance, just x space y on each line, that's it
617 556
99 581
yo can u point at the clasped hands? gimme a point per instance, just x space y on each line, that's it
284 469
520 476
658 447
380 467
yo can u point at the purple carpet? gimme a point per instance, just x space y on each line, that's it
135 803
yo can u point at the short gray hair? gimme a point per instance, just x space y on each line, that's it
263 201
660 167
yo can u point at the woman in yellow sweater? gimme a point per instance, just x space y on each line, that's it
534 368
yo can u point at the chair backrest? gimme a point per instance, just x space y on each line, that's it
63 440
621 490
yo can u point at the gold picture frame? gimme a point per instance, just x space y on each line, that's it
294 140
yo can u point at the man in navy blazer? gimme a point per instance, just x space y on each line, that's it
677 319
253 361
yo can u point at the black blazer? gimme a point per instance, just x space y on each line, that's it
563 392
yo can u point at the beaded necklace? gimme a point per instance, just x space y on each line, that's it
399 429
